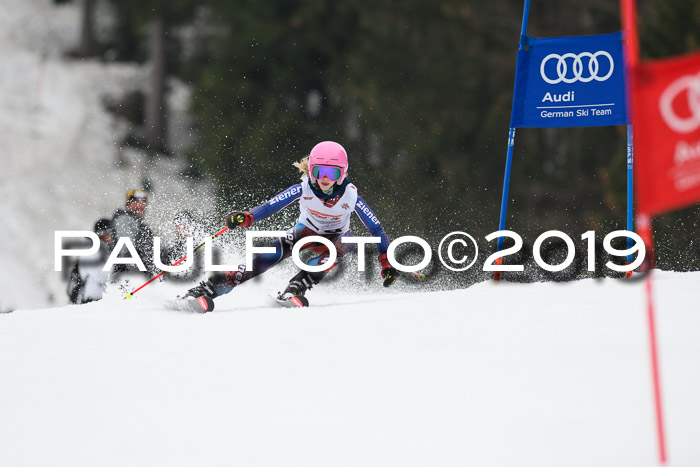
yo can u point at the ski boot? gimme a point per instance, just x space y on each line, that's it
203 295
293 295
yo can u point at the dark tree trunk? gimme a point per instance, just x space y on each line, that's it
86 48
155 104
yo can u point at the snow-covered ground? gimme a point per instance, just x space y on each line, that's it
493 375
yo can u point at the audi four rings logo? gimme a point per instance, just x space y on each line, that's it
690 84
577 67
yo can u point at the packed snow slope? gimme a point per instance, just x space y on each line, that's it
494 375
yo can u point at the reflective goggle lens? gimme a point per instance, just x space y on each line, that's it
320 171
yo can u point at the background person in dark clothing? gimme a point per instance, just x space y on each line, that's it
129 222
87 280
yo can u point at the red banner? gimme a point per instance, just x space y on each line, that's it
666 100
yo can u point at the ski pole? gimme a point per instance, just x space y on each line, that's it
419 275
131 294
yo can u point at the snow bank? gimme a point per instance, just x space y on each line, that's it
62 168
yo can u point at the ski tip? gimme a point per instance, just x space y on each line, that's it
206 303
292 302
127 296
300 302
196 305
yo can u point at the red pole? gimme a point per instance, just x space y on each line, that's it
645 231
655 371
629 25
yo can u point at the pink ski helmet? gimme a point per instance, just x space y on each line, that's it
328 153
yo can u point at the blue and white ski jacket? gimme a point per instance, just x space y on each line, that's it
325 213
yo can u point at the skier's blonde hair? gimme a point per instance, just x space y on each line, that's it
303 166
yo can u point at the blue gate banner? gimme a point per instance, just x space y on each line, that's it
570 82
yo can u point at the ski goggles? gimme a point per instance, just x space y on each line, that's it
320 171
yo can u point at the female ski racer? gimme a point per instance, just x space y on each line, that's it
326 201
